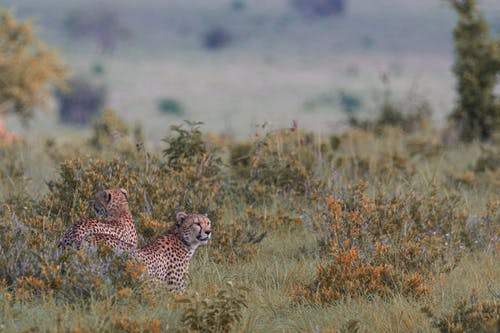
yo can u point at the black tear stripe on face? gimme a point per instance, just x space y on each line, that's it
201 228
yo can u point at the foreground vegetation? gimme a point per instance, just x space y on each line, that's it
369 230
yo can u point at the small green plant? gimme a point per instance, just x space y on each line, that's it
171 106
109 130
216 314
187 147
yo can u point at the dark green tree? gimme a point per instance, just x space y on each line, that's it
477 65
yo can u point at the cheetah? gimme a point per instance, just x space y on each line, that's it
167 257
116 224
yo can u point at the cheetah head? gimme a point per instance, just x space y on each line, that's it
111 202
195 229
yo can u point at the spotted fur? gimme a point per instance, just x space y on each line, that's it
117 222
167 257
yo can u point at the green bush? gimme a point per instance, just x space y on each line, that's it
109 131
187 148
281 161
171 106
216 314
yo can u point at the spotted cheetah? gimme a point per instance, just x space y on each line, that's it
167 257
116 224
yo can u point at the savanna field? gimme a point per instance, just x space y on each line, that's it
388 224
384 230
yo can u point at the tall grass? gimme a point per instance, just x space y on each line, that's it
288 208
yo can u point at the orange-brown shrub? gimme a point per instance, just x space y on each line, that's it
471 315
380 244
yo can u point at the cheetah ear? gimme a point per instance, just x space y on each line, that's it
180 217
125 193
206 215
108 196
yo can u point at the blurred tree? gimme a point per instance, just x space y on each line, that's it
319 8
477 65
217 38
27 68
102 24
84 99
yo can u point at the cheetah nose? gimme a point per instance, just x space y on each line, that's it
208 232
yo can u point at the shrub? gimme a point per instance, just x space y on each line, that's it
240 155
186 146
215 314
468 316
238 5
83 100
32 265
158 192
234 241
477 65
280 162
217 38
189 180
319 8
376 167
13 179
489 160
349 102
171 106
410 115
382 245
109 130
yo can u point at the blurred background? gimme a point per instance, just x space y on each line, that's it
237 64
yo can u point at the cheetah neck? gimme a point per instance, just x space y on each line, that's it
118 216
176 233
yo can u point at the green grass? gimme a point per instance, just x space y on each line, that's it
284 261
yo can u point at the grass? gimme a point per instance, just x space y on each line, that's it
268 276
274 270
